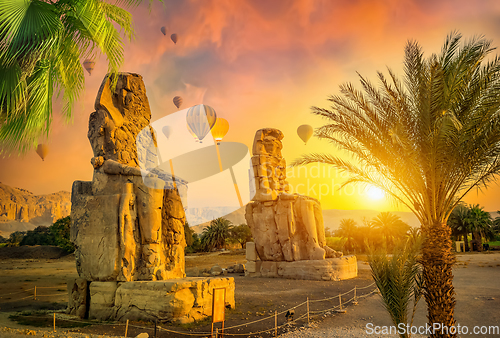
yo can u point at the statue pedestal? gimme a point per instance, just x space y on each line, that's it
327 269
176 300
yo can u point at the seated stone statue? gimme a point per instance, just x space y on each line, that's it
127 225
285 227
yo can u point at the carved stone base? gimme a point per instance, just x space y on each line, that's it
328 269
176 300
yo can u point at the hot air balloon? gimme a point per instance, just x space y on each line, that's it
167 131
192 133
178 101
220 129
305 132
164 30
174 38
89 65
200 119
42 150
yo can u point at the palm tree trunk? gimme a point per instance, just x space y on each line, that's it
479 240
466 242
437 261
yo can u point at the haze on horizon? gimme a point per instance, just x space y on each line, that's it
262 64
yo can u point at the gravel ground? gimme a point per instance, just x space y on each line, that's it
18 333
478 301
350 324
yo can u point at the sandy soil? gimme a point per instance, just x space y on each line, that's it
476 282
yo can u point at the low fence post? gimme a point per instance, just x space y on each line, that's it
276 323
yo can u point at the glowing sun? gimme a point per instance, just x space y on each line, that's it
375 193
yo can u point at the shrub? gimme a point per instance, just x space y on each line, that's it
336 243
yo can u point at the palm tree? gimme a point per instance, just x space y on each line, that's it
496 224
391 227
398 278
42 45
347 230
426 140
215 234
480 224
459 225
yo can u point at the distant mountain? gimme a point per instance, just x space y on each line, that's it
21 210
204 216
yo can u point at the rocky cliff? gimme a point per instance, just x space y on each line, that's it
22 206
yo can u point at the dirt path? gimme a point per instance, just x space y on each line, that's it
476 282
477 287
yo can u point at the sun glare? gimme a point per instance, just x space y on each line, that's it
375 193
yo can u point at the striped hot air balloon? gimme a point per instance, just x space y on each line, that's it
89 65
200 119
178 101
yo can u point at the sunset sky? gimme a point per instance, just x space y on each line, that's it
261 64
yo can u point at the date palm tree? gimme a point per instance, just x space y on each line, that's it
480 224
426 140
391 227
398 278
348 229
214 235
42 47
459 225
496 224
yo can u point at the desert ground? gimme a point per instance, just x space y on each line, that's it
257 299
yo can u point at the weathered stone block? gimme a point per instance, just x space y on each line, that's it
253 266
95 234
269 269
77 297
251 253
184 300
334 269
102 300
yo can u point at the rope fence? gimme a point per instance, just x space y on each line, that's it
308 313
34 295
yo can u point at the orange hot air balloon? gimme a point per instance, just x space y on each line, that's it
89 65
305 132
164 30
42 150
174 38
200 119
220 129
178 101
